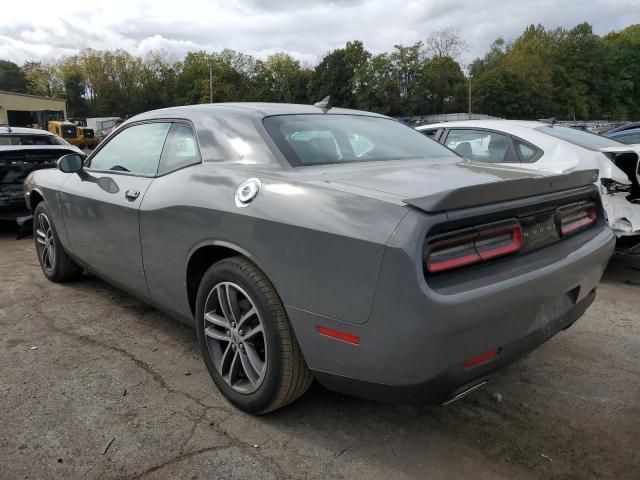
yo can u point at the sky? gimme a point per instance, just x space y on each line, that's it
35 30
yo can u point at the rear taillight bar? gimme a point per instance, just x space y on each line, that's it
459 249
576 217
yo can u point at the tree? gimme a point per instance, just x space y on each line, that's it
12 78
42 79
335 74
446 42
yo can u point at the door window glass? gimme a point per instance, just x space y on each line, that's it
479 145
135 149
180 149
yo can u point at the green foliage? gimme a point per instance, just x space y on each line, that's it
562 73
566 73
12 78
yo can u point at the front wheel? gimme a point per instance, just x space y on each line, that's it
245 338
56 265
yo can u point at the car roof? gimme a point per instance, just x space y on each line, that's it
5 130
250 108
497 124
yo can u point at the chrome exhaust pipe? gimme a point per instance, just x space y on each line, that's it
465 392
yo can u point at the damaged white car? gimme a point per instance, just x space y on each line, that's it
553 148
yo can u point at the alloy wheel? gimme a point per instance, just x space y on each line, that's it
235 337
46 243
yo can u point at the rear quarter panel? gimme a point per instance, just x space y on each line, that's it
321 248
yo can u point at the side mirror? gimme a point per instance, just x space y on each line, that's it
71 163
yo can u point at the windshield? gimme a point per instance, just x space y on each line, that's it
581 138
320 139
31 140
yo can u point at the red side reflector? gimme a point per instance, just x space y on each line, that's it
482 358
344 336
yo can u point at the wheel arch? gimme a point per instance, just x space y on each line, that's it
205 254
35 197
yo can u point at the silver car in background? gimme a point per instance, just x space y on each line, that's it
312 242
546 147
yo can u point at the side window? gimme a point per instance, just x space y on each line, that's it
429 133
527 153
180 149
480 145
628 139
135 149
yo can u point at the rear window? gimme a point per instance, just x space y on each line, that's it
326 139
30 140
580 138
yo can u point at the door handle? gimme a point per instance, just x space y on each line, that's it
132 194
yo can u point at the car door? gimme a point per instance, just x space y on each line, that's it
482 145
101 203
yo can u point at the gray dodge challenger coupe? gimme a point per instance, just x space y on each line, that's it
314 242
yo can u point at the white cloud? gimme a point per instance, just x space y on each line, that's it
41 30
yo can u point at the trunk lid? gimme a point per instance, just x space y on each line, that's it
453 185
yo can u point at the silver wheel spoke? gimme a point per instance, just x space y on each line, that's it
252 374
235 337
254 331
216 320
247 316
213 333
252 357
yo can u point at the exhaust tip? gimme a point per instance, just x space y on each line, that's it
465 391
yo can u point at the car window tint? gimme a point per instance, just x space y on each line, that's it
135 149
318 139
587 140
628 139
180 149
429 133
479 145
527 153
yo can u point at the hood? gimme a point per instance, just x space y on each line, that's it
450 184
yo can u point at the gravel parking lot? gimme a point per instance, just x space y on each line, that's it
96 384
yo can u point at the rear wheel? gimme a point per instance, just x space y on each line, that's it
246 340
56 265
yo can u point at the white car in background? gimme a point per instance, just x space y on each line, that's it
553 148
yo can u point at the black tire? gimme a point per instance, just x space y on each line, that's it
58 267
287 376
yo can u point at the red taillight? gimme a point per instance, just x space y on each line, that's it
469 248
574 218
482 358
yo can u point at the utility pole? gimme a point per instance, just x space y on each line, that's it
210 84
469 95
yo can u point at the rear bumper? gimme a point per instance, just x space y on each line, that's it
420 332
456 380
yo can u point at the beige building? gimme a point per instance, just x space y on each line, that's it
22 110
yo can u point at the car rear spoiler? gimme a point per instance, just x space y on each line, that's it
494 192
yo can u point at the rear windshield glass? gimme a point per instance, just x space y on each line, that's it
581 138
30 140
324 139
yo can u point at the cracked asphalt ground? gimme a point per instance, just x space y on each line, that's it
96 384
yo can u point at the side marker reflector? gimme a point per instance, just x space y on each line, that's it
344 336
482 358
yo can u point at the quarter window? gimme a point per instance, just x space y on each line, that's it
180 149
135 149
480 145
527 153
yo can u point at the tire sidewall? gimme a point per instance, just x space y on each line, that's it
260 399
